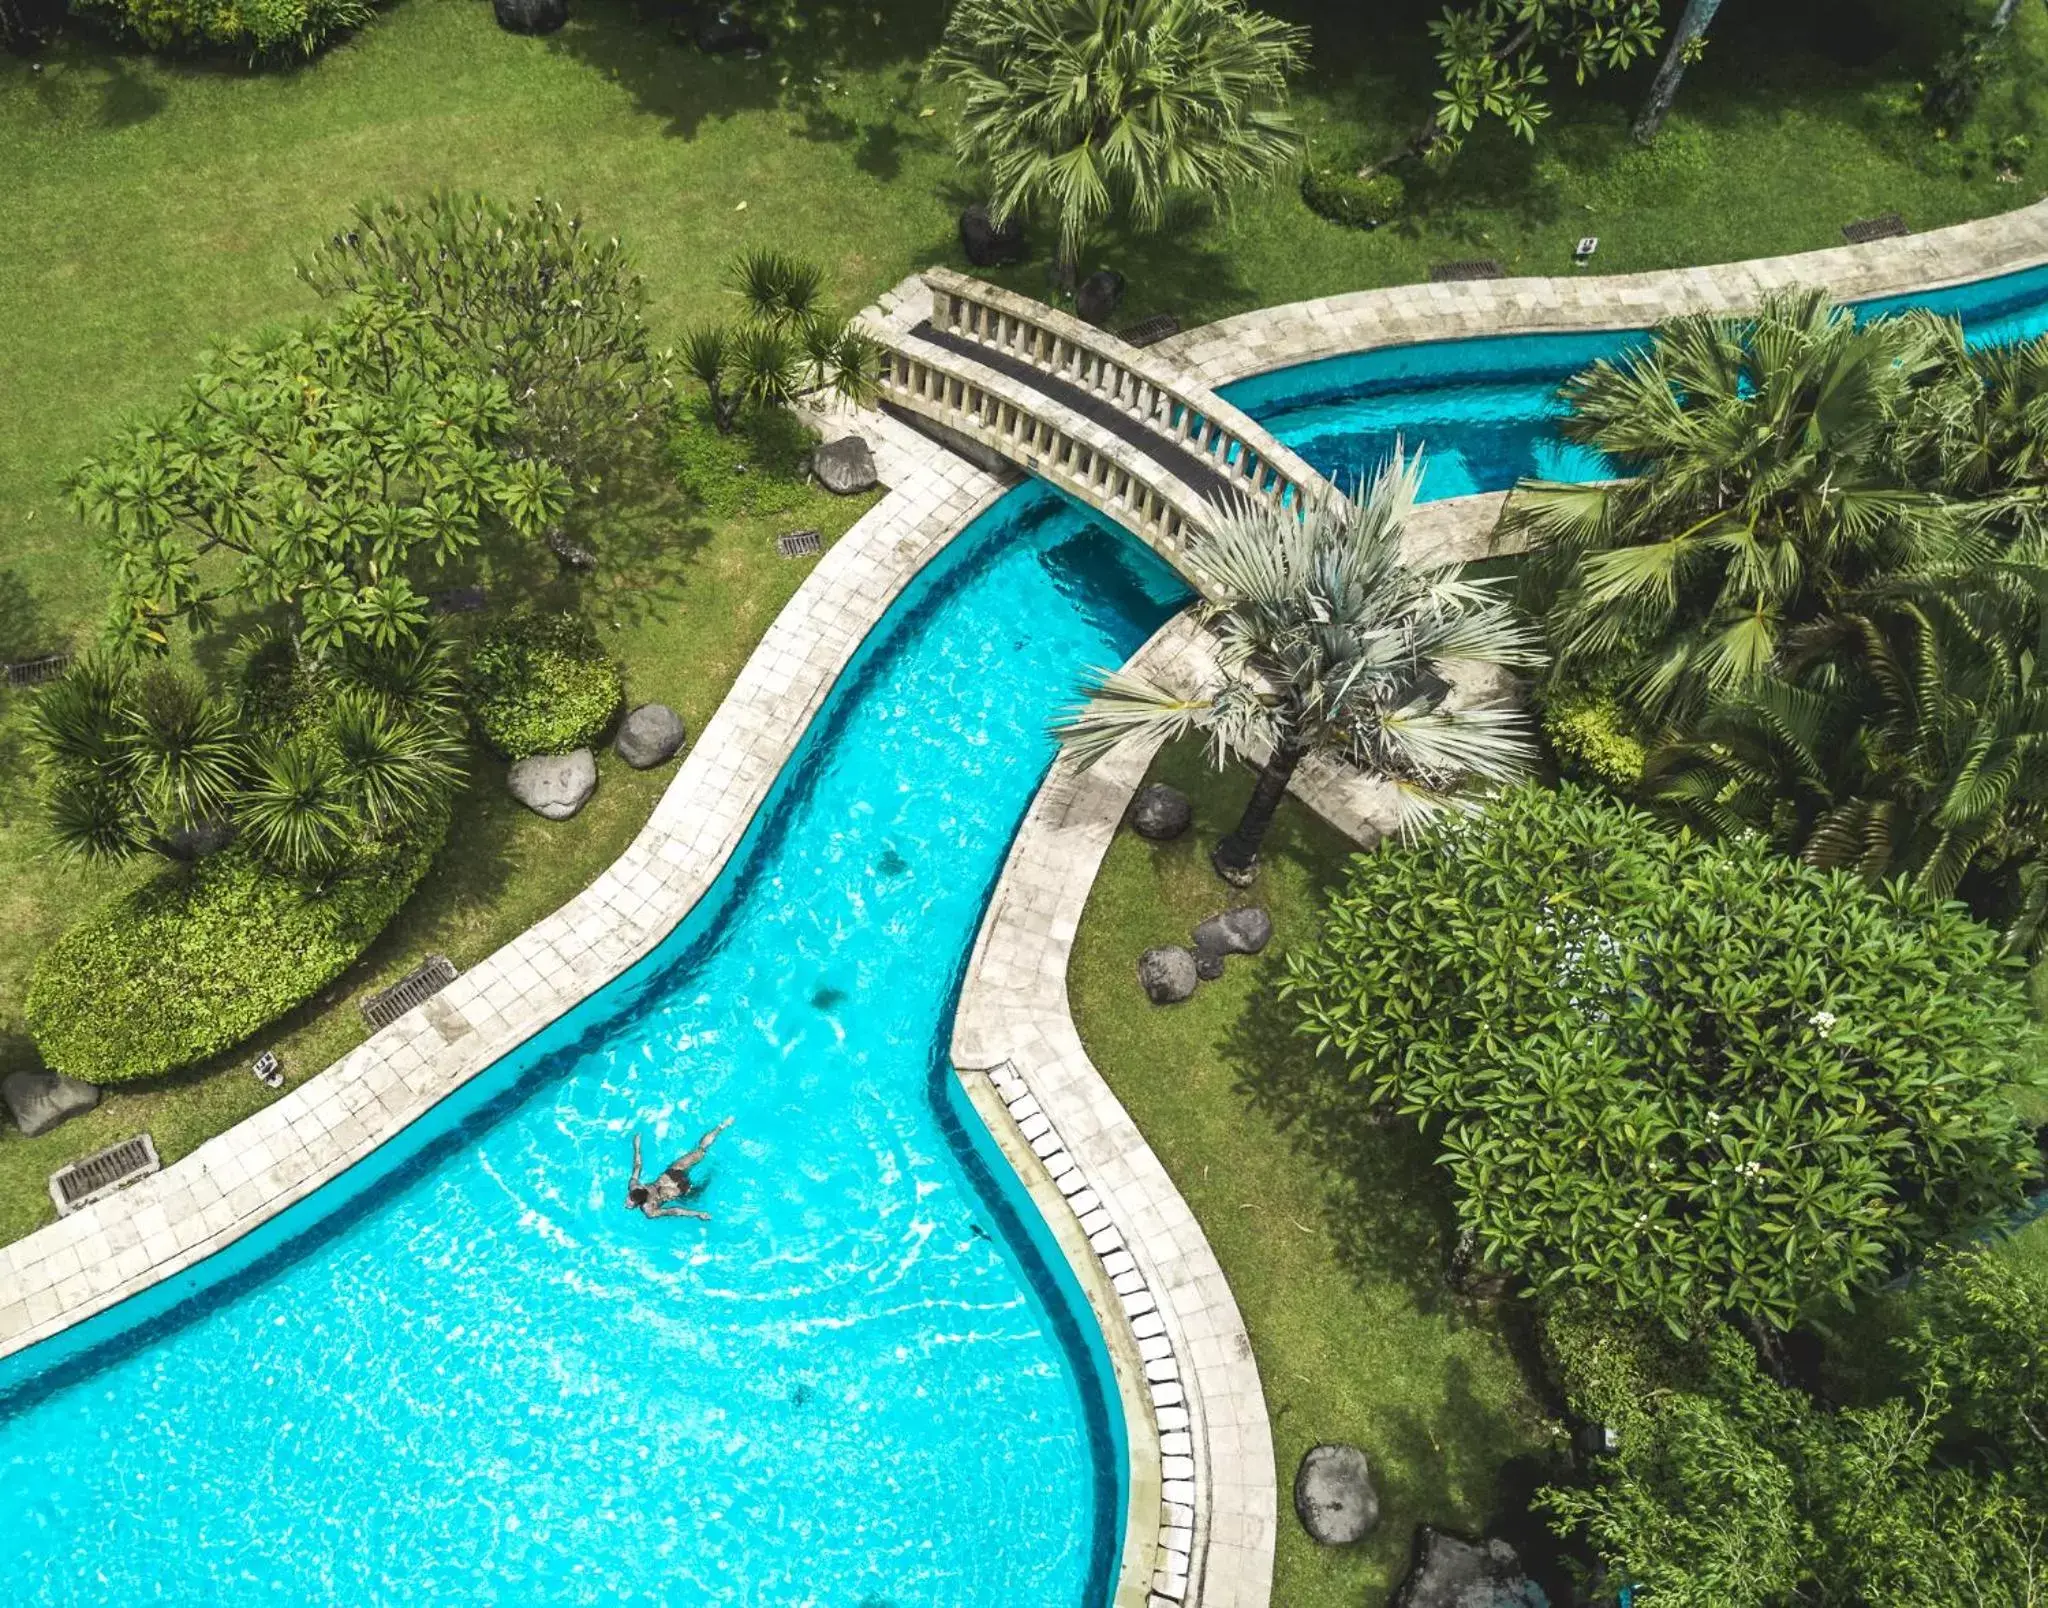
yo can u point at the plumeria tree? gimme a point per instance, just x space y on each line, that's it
1329 642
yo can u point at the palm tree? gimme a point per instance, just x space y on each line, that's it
1906 739
1329 642
1088 107
1761 491
1688 39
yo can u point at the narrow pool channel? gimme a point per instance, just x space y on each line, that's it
466 1373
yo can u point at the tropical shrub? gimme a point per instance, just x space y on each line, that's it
1333 190
201 957
1697 1077
788 343
257 29
525 295
1761 487
543 684
307 760
1727 1488
1593 735
1088 108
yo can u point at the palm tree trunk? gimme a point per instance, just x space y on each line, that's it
2002 17
1236 858
1699 15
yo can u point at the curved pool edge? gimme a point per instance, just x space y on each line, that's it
238 1180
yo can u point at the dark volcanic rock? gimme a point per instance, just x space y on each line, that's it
1244 931
649 735
1451 1572
554 785
570 554
531 16
1167 975
38 1101
1333 1495
1160 812
1099 294
986 245
844 466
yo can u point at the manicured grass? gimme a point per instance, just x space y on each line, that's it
1338 1274
154 207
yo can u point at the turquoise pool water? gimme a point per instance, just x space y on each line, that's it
489 1383
464 1373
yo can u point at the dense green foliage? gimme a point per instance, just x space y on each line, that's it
1591 734
788 343
256 29
306 759
543 684
1730 1490
200 958
1091 109
1333 190
1329 641
1697 1077
525 295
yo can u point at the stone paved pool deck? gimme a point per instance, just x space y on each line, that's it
1146 1266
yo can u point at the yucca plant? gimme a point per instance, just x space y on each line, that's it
780 290
1088 108
707 356
397 769
298 808
1328 641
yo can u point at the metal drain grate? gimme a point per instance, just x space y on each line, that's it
416 987
800 544
1148 330
34 672
1865 230
1469 268
101 1173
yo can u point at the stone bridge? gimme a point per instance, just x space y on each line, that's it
1130 434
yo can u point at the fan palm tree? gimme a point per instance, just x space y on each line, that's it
1907 739
1762 491
1328 642
1087 107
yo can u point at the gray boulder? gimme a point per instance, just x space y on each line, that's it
1160 812
649 735
1333 1495
1167 975
197 842
38 1101
1451 1572
554 785
531 16
1245 931
844 466
1099 294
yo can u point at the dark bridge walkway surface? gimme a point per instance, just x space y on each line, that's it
1198 473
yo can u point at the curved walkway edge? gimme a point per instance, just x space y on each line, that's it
239 1179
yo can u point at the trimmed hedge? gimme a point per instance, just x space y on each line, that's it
544 685
201 958
258 29
1332 189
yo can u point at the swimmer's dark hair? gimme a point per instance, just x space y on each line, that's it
637 1195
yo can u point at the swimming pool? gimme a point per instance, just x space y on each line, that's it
464 1372
488 1382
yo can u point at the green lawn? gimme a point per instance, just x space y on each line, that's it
1338 1274
153 207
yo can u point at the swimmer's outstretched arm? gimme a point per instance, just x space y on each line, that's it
680 1211
634 1181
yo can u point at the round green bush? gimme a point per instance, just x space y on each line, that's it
200 958
1333 190
1594 740
544 685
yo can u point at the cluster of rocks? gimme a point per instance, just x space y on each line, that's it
1335 1500
531 16
556 786
1171 973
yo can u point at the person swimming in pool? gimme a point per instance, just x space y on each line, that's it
661 1197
